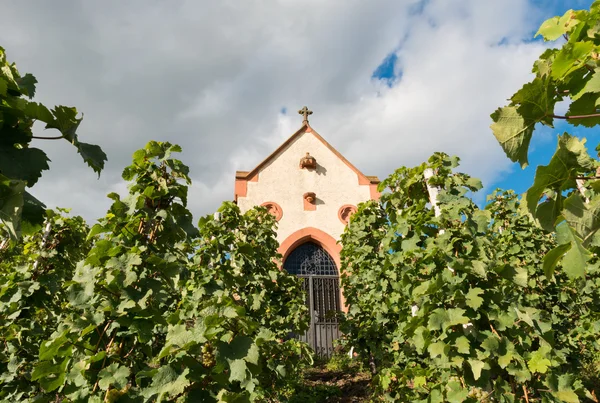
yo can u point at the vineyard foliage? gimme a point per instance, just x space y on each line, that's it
565 194
447 302
32 273
456 306
155 309
22 165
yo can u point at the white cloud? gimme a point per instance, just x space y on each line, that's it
213 77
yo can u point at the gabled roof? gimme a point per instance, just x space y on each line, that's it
305 128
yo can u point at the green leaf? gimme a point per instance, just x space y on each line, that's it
555 27
11 205
253 354
23 164
571 57
549 211
567 396
539 361
514 124
419 381
592 85
513 132
505 359
476 367
437 349
167 382
114 375
92 155
66 121
473 298
463 345
27 85
456 394
579 110
584 218
574 262
238 370
238 348
552 258
570 158
3 87
51 376
490 344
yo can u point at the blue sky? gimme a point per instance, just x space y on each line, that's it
544 140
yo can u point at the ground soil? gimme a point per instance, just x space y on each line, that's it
320 384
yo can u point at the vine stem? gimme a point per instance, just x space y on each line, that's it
101 335
103 362
494 331
48 138
591 115
526 394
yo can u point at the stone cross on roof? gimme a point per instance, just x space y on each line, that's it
305 112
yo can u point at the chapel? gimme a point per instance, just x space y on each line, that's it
312 191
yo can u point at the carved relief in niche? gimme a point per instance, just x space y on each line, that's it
345 212
274 209
310 201
308 161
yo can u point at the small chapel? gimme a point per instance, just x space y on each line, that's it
312 191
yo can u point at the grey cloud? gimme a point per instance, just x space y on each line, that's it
213 76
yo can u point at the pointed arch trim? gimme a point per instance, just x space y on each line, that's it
315 235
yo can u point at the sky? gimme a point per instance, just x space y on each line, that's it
389 81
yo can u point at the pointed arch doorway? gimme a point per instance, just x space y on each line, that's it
310 261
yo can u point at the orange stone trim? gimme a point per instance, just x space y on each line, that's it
345 212
241 188
311 234
310 201
241 183
305 128
374 192
274 209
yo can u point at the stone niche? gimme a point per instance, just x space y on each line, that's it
274 209
308 162
345 212
310 201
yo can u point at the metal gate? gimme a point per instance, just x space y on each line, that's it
322 287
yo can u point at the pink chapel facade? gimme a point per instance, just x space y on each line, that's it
310 188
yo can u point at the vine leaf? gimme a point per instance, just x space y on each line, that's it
539 361
569 159
473 298
514 124
585 105
591 86
24 164
575 260
584 218
92 155
555 27
567 396
552 258
513 133
570 58
476 367
167 382
113 375
238 370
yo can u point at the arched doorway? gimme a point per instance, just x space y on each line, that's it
311 262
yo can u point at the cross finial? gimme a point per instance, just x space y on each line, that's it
305 112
